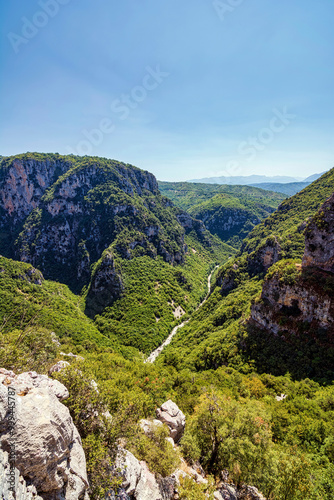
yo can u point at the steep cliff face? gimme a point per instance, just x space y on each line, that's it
229 224
106 285
23 181
297 298
319 238
230 212
61 213
249 265
295 304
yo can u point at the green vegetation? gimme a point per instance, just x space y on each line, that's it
157 295
287 224
218 335
27 300
212 337
234 421
160 256
289 188
224 373
230 212
187 195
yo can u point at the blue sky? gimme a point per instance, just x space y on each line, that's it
182 88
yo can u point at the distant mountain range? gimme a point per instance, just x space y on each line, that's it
255 179
288 188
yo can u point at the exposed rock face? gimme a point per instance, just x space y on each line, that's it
139 483
255 263
61 213
59 366
319 238
297 303
48 450
189 224
170 414
10 479
267 255
105 287
295 298
25 182
228 491
227 280
226 222
148 425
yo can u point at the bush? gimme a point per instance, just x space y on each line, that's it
154 449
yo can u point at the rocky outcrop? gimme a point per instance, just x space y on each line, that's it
105 287
297 298
38 433
287 307
11 482
227 222
264 257
61 213
169 413
25 180
58 367
138 482
252 264
319 238
228 491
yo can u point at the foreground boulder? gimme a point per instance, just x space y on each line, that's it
170 414
47 446
10 479
138 482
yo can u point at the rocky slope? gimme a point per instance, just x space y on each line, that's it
65 214
280 236
88 204
38 434
297 298
296 301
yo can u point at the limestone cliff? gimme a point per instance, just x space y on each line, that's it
249 265
297 298
319 238
60 213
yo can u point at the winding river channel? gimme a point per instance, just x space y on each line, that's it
154 354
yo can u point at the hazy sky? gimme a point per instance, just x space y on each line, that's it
182 88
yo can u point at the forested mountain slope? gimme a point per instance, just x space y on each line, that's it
27 300
103 227
228 211
219 334
227 370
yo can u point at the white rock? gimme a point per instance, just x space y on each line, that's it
58 367
48 450
281 397
71 355
170 414
139 482
22 491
